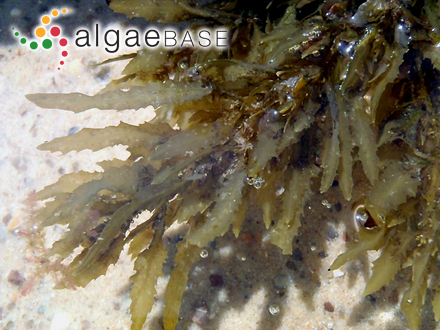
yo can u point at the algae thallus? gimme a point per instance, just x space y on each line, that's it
307 94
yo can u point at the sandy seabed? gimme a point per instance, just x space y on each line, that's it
259 288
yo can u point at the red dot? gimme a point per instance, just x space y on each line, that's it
58 68
62 62
63 42
64 53
55 31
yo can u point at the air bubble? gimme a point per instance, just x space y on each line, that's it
257 182
274 309
326 204
241 257
198 68
346 49
361 216
273 115
231 169
204 254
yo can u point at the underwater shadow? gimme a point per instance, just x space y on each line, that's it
250 269
385 301
235 271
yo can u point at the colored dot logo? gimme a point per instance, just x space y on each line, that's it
55 31
46 34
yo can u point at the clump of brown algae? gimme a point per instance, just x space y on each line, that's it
306 92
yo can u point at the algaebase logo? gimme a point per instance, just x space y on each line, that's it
150 38
48 34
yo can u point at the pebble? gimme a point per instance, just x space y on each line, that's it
274 309
329 307
216 280
338 273
223 296
225 251
201 315
15 278
15 12
280 281
61 321
9 325
41 310
3 233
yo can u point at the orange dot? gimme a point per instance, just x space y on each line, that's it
45 19
70 9
55 13
40 32
64 11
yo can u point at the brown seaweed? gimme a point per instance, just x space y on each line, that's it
360 82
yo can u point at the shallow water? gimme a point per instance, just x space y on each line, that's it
243 283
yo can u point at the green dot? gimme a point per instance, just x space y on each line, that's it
16 33
47 43
23 40
33 45
13 28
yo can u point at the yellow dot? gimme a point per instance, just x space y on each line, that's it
64 11
45 19
40 32
55 13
